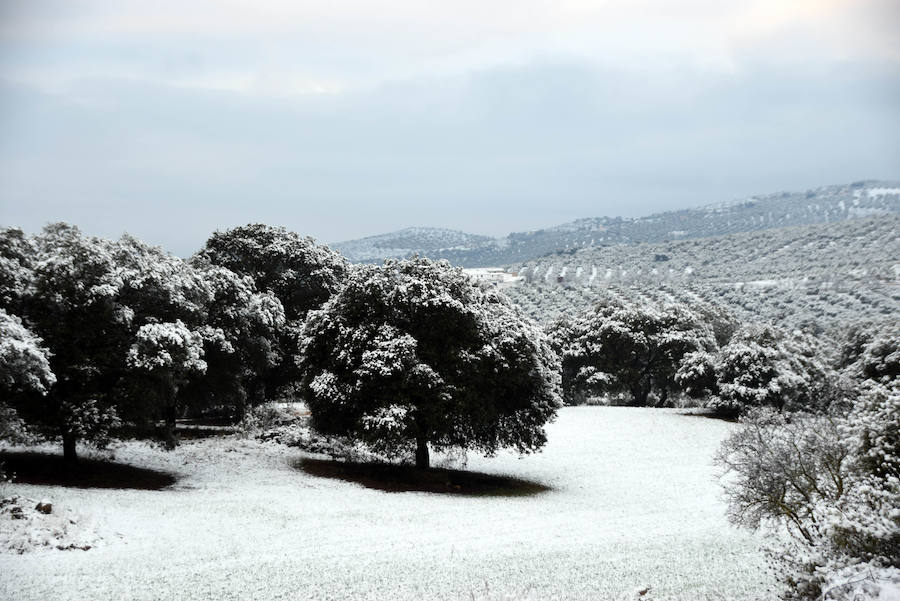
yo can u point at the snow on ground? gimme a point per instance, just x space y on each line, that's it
635 503
27 525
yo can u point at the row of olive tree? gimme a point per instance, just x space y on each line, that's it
98 331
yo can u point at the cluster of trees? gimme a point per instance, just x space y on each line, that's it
665 354
761 366
825 486
630 351
99 332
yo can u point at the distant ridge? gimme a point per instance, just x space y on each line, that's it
427 241
761 212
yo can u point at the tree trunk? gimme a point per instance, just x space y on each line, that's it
171 441
422 461
639 394
70 453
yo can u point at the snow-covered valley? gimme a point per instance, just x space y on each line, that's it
635 503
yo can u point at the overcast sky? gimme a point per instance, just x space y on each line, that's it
341 119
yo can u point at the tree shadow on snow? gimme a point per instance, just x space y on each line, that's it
47 469
391 477
710 414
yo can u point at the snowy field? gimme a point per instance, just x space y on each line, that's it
634 504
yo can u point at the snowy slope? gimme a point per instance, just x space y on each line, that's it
825 274
634 504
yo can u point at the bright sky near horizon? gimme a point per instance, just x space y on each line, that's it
348 118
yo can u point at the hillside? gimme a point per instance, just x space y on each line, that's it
814 275
784 209
429 241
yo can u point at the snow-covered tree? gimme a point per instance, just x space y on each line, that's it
245 348
720 320
24 369
880 357
748 376
71 304
630 349
850 340
156 286
301 273
561 332
16 261
298 272
24 361
167 353
765 366
413 354
696 375
238 328
156 290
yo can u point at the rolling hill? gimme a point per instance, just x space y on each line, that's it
822 205
815 276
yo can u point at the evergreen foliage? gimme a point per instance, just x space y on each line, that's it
413 354
294 269
630 350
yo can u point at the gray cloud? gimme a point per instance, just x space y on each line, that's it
117 135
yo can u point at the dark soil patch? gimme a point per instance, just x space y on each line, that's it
43 468
391 477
